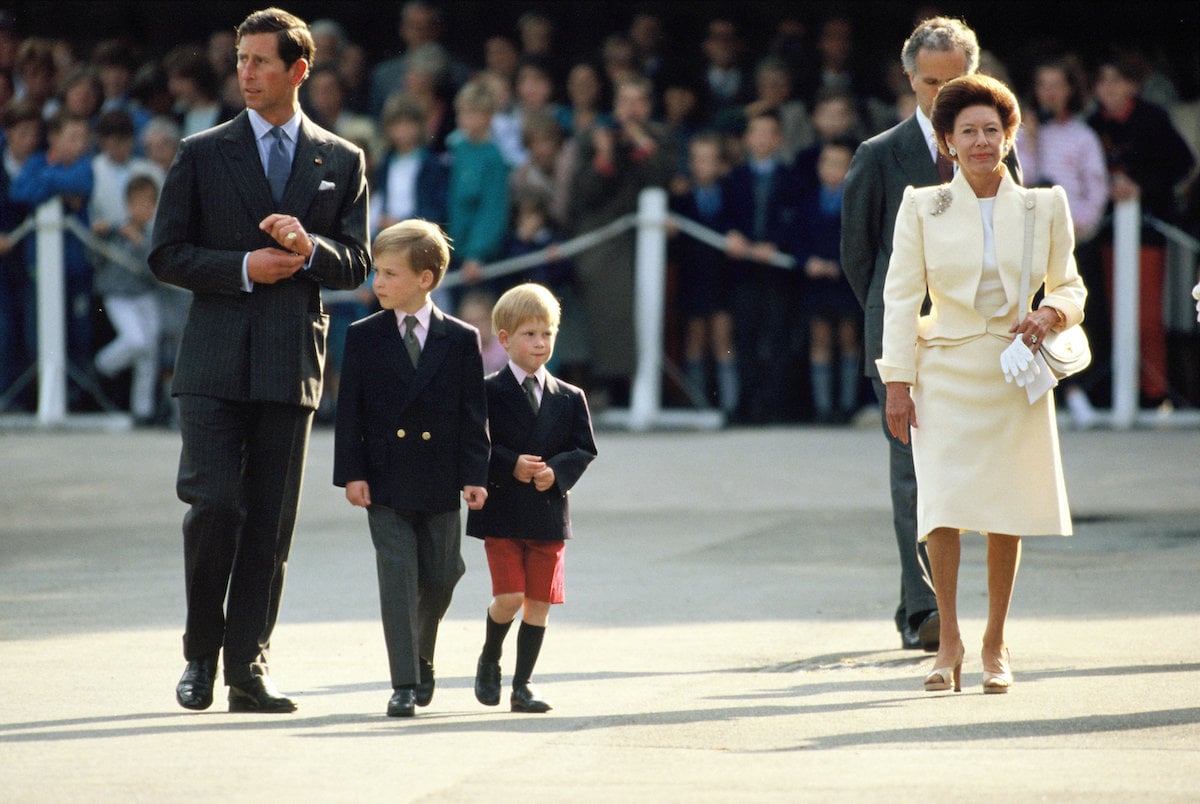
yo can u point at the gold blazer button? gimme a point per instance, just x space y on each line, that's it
425 436
400 433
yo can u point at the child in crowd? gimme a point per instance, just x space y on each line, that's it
505 119
411 182
477 218
476 309
542 442
411 433
704 279
834 117
826 298
760 213
22 124
64 170
535 95
128 291
112 169
545 171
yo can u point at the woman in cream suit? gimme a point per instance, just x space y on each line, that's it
986 458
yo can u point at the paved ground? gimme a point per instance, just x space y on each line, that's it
727 637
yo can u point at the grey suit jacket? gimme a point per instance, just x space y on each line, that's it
269 344
882 167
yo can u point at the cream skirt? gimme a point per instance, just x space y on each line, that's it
986 460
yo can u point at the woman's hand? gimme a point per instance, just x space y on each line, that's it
900 410
1035 326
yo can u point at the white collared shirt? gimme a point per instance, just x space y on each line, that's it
927 130
539 376
423 315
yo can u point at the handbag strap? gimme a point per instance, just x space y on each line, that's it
1027 255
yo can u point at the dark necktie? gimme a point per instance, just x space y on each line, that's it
278 165
530 383
945 168
410 339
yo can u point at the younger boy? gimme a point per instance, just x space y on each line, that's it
542 442
411 431
129 293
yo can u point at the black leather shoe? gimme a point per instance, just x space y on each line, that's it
929 632
487 682
909 639
259 695
424 688
195 687
525 698
402 704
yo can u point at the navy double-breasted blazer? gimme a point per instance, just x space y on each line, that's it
416 435
560 432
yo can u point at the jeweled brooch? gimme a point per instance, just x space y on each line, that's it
941 200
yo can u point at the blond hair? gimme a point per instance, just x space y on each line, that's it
423 244
529 301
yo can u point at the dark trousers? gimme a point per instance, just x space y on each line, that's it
916 592
240 471
418 557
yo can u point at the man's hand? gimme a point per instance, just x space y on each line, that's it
288 232
266 266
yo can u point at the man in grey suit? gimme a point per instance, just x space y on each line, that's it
938 50
256 215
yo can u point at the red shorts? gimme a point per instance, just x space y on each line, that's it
532 567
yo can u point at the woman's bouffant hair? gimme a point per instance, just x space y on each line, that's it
528 301
973 90
423 244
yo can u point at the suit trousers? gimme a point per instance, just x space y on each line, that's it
240 470
418 557
916 590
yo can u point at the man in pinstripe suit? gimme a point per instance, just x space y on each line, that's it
255 216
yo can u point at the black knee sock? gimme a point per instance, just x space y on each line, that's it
494 641
529 645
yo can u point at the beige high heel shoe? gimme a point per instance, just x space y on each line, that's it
998 683
942 677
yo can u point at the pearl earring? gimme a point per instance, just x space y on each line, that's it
953 151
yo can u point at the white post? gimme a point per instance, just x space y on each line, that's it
649 281
51 315
1127 240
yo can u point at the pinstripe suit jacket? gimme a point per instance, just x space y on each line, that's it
267 345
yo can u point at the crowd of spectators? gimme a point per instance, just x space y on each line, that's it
535 140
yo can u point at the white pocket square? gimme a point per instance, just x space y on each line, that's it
325 185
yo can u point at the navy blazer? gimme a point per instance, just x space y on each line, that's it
737 198
560 432
416 435
267 345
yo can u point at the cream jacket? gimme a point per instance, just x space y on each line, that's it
938 248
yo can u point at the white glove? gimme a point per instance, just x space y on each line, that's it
1018 364
1196 296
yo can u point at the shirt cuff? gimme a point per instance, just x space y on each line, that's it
311 255
247 285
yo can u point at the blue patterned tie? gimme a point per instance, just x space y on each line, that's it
279 166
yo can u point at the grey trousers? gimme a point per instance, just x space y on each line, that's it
916 590
419 561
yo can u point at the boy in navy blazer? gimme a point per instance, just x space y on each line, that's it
411 432
541 443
